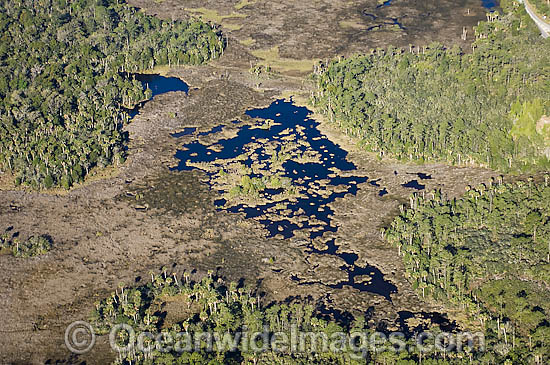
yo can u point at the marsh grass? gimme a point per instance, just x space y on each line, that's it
270 57
214 17
244 3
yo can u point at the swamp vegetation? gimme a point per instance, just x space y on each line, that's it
67 81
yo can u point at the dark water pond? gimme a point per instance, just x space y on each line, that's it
161 84
285 115
310 203
185 132
424 176
376 283
414 184
385 3
489 4
158 85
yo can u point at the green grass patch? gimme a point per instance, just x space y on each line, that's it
244 3
33 246
247 42
270 57
214 17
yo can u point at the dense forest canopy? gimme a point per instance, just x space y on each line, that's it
441 104
542 7
487 253
65 78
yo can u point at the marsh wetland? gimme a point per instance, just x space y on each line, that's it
231 172
284 173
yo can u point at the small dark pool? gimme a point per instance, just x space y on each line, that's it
385 3
424 176
185 132
377 284
158 85
489 4
414 184
161 84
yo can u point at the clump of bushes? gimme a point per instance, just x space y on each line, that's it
260 70
33 246
248 186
